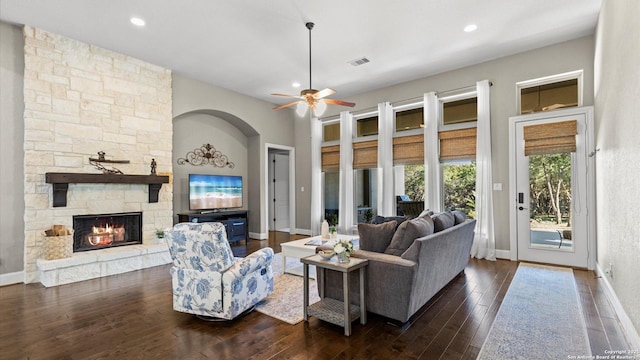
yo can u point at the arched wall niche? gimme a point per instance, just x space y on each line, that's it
254 118
228 134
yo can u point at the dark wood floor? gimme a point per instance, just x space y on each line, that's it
130 316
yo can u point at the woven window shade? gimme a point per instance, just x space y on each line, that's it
408 150
552 138
330 158
457 144
365 154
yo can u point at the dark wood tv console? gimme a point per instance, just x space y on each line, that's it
235 221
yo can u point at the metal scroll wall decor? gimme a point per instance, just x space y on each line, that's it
206 155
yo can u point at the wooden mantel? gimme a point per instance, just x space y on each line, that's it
61 183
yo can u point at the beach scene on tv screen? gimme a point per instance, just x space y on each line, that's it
215 192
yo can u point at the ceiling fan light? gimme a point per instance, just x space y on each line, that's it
320 108
301 108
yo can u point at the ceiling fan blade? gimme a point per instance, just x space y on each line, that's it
324 93
287 95
338 102
286 105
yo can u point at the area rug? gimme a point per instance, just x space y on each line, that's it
286 301
540 318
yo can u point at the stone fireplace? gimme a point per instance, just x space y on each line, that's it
94 232
81 99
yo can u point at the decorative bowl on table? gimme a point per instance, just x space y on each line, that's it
326 254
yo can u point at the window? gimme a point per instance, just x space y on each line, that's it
409 119
331 196
550 92
459 186
365 194
331 132
409 182
460 111
458 136
367 126
414 182
547 97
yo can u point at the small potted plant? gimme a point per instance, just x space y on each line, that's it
368 216
333 231
159 235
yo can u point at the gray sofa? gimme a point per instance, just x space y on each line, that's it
407 269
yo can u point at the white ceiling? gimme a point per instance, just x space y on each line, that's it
258 47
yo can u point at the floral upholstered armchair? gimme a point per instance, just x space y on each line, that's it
207 280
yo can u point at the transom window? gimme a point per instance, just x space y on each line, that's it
409 119
550 92
547 97
460 111
331 132
367 126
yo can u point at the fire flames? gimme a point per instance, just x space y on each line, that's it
105 235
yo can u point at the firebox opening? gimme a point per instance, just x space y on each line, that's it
92 232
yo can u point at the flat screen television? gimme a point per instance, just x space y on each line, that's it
214 192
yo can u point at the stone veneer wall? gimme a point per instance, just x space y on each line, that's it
80 99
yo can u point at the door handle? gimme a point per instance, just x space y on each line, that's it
522 208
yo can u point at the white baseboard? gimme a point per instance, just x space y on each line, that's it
303 232
259 236
503 254
12 278
625 321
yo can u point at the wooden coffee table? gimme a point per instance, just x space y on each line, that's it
298 249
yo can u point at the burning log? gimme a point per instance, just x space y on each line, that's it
105 235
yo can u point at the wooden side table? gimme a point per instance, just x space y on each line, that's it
340 313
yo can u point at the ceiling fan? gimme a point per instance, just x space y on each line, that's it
312 98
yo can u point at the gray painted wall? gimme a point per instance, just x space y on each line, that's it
504 72
191 131
617 90
12 153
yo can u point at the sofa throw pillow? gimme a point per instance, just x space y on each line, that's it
382 219
459 217
407 233
426 212
376 237
442 221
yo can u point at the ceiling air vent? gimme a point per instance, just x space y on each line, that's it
359 61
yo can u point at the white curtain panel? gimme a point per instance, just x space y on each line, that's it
484 242
346 211
432 174
386 193
316 176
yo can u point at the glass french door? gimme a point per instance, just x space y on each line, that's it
551 197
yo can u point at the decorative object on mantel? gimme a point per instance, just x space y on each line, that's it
206 155
154 165
58 243
97 163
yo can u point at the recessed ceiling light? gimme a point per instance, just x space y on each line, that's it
470 28
137 21
296 84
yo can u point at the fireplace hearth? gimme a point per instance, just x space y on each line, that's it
93 232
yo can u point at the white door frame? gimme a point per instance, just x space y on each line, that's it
292 185
587 111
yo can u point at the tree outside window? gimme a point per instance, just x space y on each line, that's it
459 180
414 182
